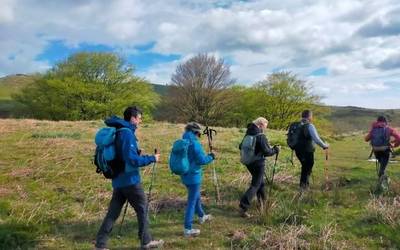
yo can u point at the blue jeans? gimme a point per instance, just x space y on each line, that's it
193 204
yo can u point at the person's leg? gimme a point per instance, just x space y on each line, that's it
114 209
309 158
261 189
199 207
191 204
303 177
256 181
383 159
137 199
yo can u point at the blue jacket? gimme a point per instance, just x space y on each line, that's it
127 149
197 158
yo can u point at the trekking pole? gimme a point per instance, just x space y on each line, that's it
153 174
122 221
209 132
326 169
370 155
273 174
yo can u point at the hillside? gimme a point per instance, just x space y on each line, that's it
51 197
344 119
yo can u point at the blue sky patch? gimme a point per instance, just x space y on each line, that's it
142 59
320 72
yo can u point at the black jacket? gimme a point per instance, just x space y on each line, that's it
262 145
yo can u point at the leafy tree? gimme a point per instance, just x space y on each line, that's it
244 107
286 97
87 86
198 89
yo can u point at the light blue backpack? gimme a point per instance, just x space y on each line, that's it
105 155
178 159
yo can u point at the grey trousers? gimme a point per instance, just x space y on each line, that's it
137 199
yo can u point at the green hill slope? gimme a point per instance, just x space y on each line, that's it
51 197
347 119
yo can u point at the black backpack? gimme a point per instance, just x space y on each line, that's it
294 134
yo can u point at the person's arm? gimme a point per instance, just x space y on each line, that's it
368 136
201 158
396 136
129 149
264 146
315 137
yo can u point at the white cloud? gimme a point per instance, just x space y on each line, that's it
357 41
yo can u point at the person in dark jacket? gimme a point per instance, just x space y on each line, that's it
256 169
306 148
127 184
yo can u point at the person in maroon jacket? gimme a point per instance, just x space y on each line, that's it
380 136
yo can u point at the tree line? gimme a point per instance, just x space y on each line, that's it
94 85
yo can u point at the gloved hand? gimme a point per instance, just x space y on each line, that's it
212 155
277 149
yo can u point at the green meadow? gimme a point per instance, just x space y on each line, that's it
52 198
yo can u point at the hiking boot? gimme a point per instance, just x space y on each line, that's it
244 214
191 232
206 217
384 182
153 244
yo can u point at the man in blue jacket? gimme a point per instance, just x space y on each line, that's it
127 185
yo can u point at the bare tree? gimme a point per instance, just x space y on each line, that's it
198 89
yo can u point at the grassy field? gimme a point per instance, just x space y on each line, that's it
51 197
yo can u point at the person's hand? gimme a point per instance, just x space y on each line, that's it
157 156
327 147
277 149
212 155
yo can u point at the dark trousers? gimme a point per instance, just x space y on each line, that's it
307 162
257 185
137 199
383 160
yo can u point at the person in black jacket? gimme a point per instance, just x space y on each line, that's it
256 169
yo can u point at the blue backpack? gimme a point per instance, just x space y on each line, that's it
178 159
380 139
105 157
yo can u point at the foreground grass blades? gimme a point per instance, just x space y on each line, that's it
51 197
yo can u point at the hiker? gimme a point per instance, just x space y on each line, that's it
305 147
127 184
256 164
379 137
193 178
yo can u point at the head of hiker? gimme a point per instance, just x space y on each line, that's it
261 123
382 119
133 115
307 114
194 128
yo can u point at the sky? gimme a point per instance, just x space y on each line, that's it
349 50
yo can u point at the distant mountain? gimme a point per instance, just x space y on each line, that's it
344 119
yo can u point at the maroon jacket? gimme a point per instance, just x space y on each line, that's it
392 132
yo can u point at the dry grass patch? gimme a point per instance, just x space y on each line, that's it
386 210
